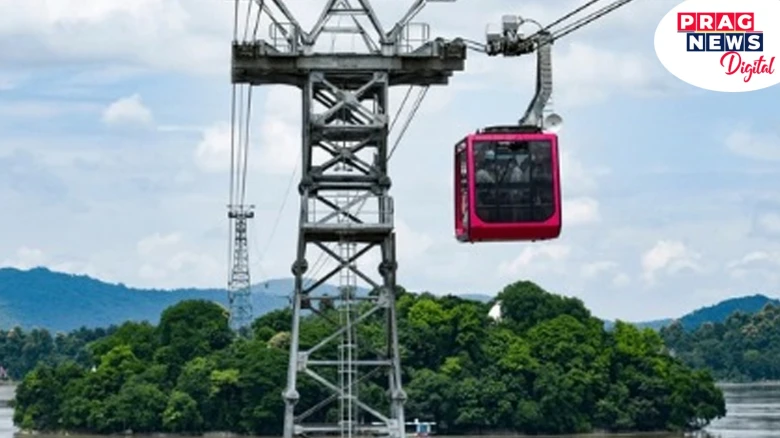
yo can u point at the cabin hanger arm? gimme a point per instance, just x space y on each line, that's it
534 114
510 42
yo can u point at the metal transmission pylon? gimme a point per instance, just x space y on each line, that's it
239 284
344 164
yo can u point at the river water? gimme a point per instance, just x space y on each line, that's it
6 414
753 412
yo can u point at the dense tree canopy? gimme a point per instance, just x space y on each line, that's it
743 348
21 351
547 367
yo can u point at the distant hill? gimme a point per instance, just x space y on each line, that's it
57 301
655 324
719 312
482 298
715 313
62 302
744 348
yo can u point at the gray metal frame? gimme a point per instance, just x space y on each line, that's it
345 115
240 284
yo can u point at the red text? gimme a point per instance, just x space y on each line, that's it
715 22
732 62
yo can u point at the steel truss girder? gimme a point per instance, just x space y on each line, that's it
345 118
433 63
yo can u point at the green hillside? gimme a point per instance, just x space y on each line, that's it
63 302
745 347
716 313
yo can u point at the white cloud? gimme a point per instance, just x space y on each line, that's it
172 34
587 74
579 211
769 223
534 258
281 145
41 109
605 269
274 142
578 178
413 254
127 111
212 154
81 268
621 280
164 32
412 245
9 81
669 256
756 256
753 261
156 242
26 258
752 144
594 269
164 259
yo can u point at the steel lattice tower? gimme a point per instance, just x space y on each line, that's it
239 284
344 135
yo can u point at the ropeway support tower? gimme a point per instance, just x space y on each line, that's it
239 283
345 124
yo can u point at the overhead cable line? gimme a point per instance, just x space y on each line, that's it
577 24
555 34
409 118
572 13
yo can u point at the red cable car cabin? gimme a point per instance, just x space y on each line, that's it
507 186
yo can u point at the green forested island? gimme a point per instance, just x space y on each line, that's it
21 351
547 367
745 347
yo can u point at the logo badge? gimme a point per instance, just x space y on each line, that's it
722 45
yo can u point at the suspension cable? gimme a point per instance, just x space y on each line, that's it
579 23
246 145
590 18
246 20
260 6
572 13
400 108
240 151
281 209
413 112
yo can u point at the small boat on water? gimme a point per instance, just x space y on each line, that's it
419 429
422 429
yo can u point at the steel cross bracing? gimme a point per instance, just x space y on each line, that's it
345 128
344 167
239 284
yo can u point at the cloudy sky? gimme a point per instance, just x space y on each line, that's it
114 145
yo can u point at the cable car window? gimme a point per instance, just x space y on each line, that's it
514 181
463 184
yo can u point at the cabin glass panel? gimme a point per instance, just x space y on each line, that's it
463 186
514 181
